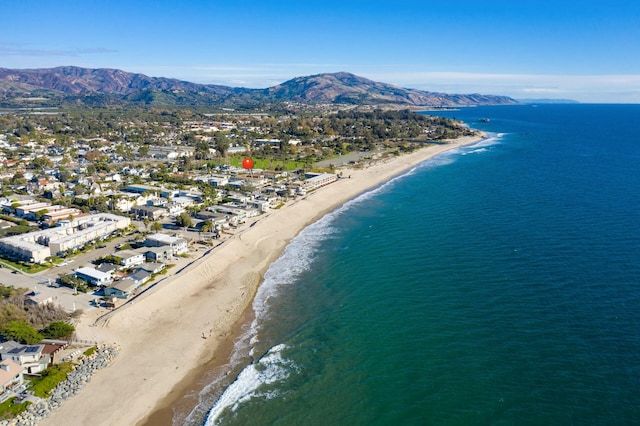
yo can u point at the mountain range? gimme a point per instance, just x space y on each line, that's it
103 86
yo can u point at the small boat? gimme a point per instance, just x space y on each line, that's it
484 120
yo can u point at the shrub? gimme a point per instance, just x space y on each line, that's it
22 332
57 330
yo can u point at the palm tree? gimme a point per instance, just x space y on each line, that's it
156 226
207 227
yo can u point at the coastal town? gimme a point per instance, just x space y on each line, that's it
96 211
319 213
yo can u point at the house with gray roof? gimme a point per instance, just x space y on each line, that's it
31 357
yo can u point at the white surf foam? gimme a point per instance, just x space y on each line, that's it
271 368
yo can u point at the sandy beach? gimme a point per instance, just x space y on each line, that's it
169 333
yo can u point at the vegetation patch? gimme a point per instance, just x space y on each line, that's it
28 268
57 330
74 282
21 332
43 385
20 319
10 408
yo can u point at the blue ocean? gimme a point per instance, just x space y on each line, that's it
494 284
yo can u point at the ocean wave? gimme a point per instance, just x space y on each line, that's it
251 382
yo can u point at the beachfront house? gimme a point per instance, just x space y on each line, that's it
140 276
159 254
122 289
151 267
129 258
178 244
30 357
11 376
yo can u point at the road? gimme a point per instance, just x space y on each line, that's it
45 281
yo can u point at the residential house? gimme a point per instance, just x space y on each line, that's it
219 181
93 276
140 277
151 267
122 289
31 357
143 189
261 205
175 209
40 297
177 244
159 254
153 213
129 258
11 375
106 267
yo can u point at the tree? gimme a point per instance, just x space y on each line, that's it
41 162
156 226
143 151
247 187
57 330
209 194
184 220
18 179
222 144
146 222
202 150
208 226
22 332
65 175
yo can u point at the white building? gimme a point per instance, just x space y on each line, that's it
317 180
93 276
129 258
30 357
37 246
177 244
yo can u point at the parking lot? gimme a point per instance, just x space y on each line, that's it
45 282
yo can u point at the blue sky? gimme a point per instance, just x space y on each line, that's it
583 50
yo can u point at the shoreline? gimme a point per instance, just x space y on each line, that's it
188 324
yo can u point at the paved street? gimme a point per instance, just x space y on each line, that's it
45 282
